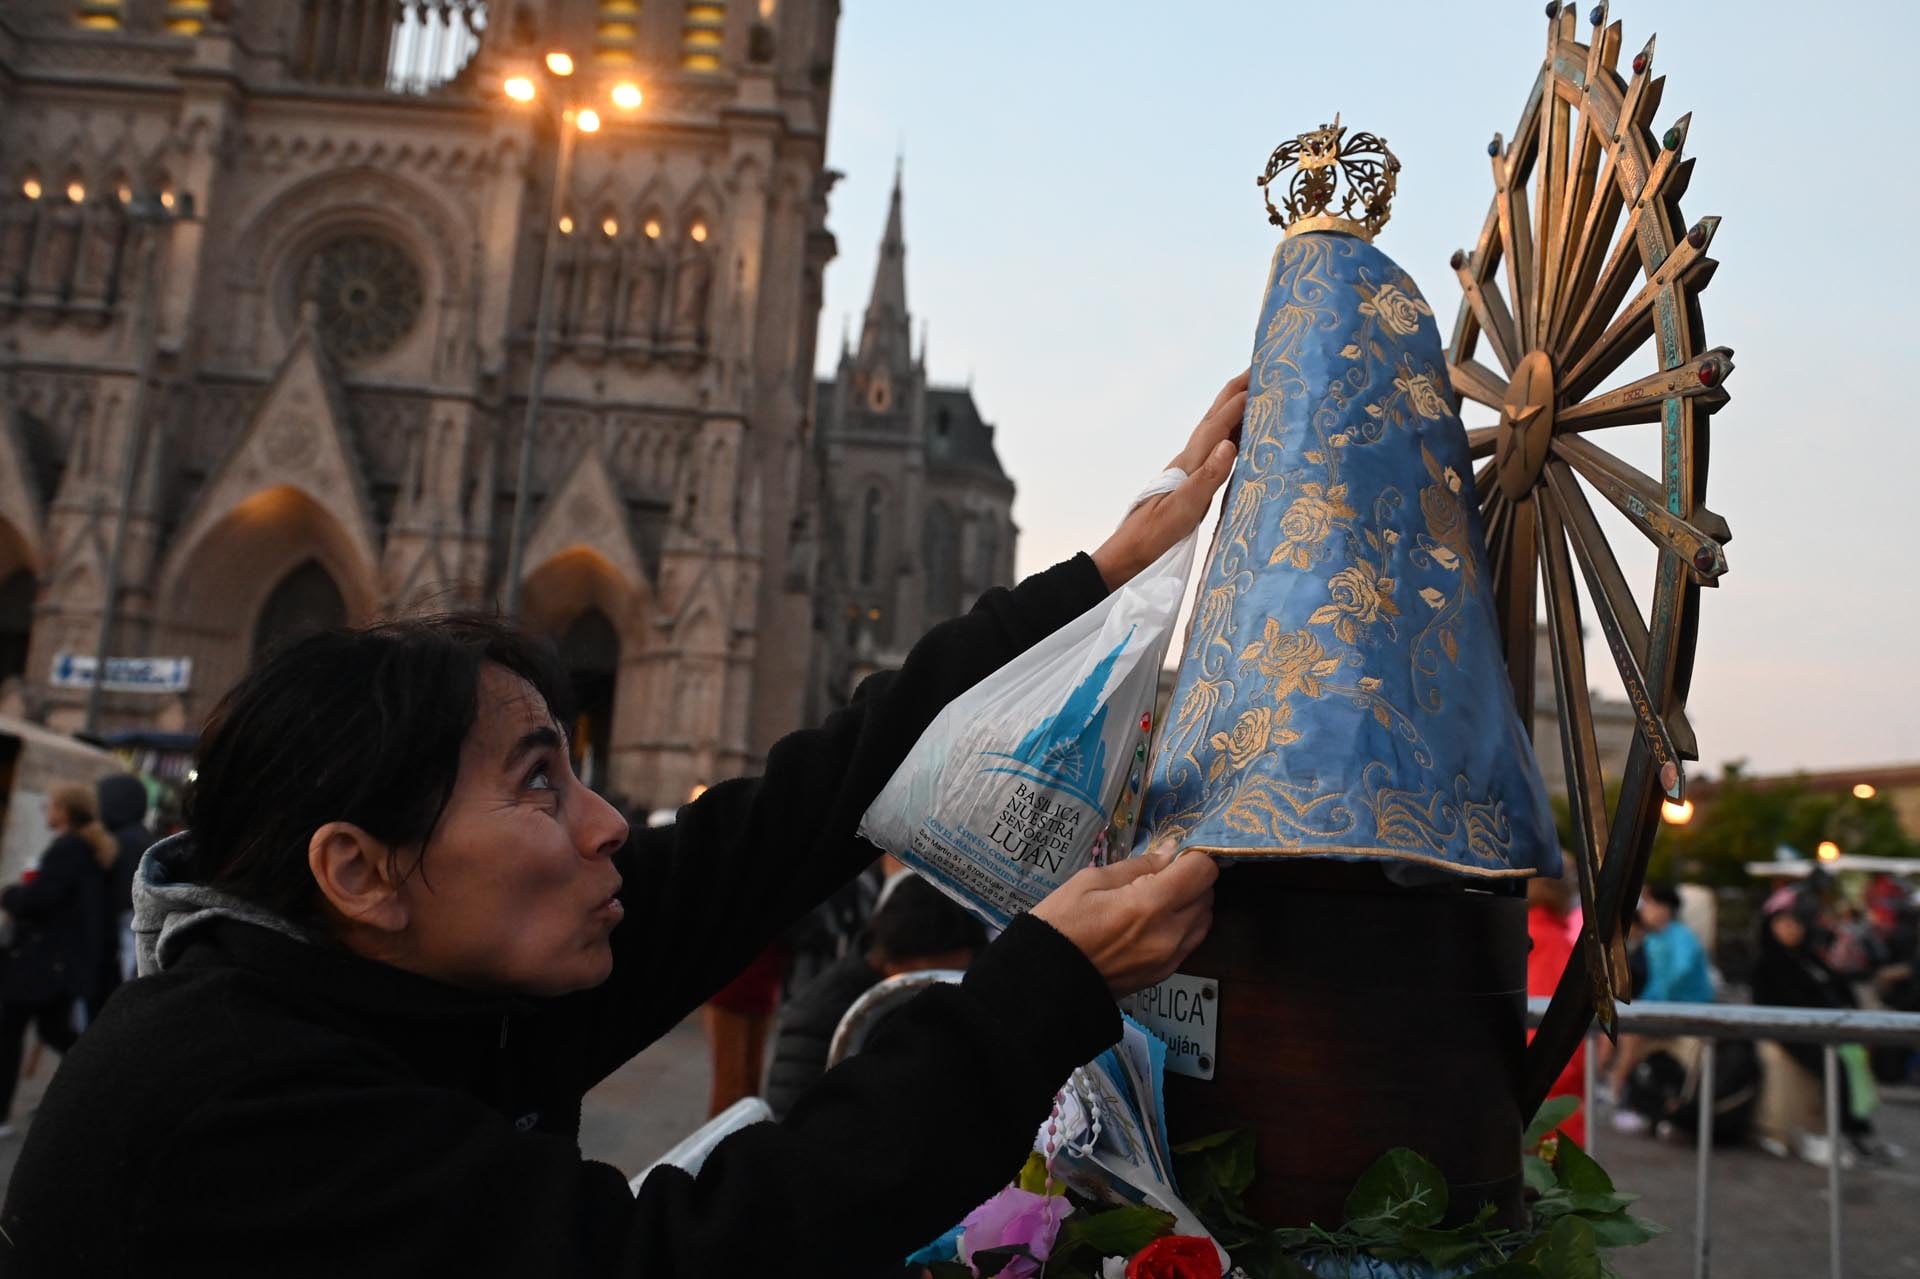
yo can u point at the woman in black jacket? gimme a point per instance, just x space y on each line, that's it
57 915
401 940
1788 974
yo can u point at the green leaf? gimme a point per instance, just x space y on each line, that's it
1033 1176
991 1261
1553 1112
1223 1160
1593 1203
1539 1174
1441 1248
1572 1252
1619 1230
1401 1186
1577 1171
1118 1232
1508 1270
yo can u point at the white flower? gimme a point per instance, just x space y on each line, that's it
1113 1268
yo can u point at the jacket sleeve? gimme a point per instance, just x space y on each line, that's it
67 860
355 1168
750 856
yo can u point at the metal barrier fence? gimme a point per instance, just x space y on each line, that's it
1710 1023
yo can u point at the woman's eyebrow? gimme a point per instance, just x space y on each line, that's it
545 737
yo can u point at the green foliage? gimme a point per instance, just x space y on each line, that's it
1087 1238
1746 823
1395 1210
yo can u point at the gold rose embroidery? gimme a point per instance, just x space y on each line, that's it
1422 395
1291 661
1398 313
1360 597
1308 521
1249 739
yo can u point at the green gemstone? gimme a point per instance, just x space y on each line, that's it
1140 751
1672 141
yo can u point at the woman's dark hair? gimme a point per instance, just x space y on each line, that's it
363 726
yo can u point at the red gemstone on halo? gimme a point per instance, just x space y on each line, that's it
1640 62
1709 374
1698 236
1703 559
1146 723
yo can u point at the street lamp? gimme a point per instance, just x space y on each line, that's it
1676 814
1864 790
1828 851
574 118
153 213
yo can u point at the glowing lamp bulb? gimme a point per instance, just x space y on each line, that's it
588 120
652 228
166 199
611 227
698 790
1828 851
699 232
32 189
627 96
559 63
76 191
1676 814
519 88
1864 790
566 225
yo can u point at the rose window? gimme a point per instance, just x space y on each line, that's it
366 293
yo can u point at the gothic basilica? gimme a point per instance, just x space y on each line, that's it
270 319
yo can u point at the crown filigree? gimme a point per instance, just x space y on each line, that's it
1319 160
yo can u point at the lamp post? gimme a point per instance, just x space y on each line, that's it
571 121
152 213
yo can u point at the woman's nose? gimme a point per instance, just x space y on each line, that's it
601 830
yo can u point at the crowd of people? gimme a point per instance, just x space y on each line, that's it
1814 946
68 922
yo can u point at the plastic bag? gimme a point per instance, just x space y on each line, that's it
1015 783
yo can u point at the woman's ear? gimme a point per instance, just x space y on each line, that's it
356 874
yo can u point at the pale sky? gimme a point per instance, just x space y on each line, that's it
1084 235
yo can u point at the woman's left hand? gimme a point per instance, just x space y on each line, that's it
1155 525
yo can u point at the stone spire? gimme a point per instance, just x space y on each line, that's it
886 336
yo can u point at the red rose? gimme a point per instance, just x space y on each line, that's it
1176 1257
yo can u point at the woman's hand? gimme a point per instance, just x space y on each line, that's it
1137 919
1152 527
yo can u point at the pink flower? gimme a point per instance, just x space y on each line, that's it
1014 1218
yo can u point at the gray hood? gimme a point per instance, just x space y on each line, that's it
167 905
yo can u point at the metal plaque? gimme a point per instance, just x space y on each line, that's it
1185 1013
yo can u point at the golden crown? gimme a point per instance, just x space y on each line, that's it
1318 159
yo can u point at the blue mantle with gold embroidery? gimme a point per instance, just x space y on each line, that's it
1342 691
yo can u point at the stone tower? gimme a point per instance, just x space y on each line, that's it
343 334
920 511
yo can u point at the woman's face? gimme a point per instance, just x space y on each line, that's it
516 889
57 820
1787 929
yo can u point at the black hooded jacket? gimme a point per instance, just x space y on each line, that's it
123 811
273 1106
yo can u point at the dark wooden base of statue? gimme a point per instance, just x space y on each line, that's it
1356 1016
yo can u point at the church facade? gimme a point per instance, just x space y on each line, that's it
341 340
919 509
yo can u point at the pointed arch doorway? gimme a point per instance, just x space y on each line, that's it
305 600
590 647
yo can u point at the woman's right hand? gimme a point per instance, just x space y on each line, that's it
1137 919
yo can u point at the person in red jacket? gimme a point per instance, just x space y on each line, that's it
401 940
1550 905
